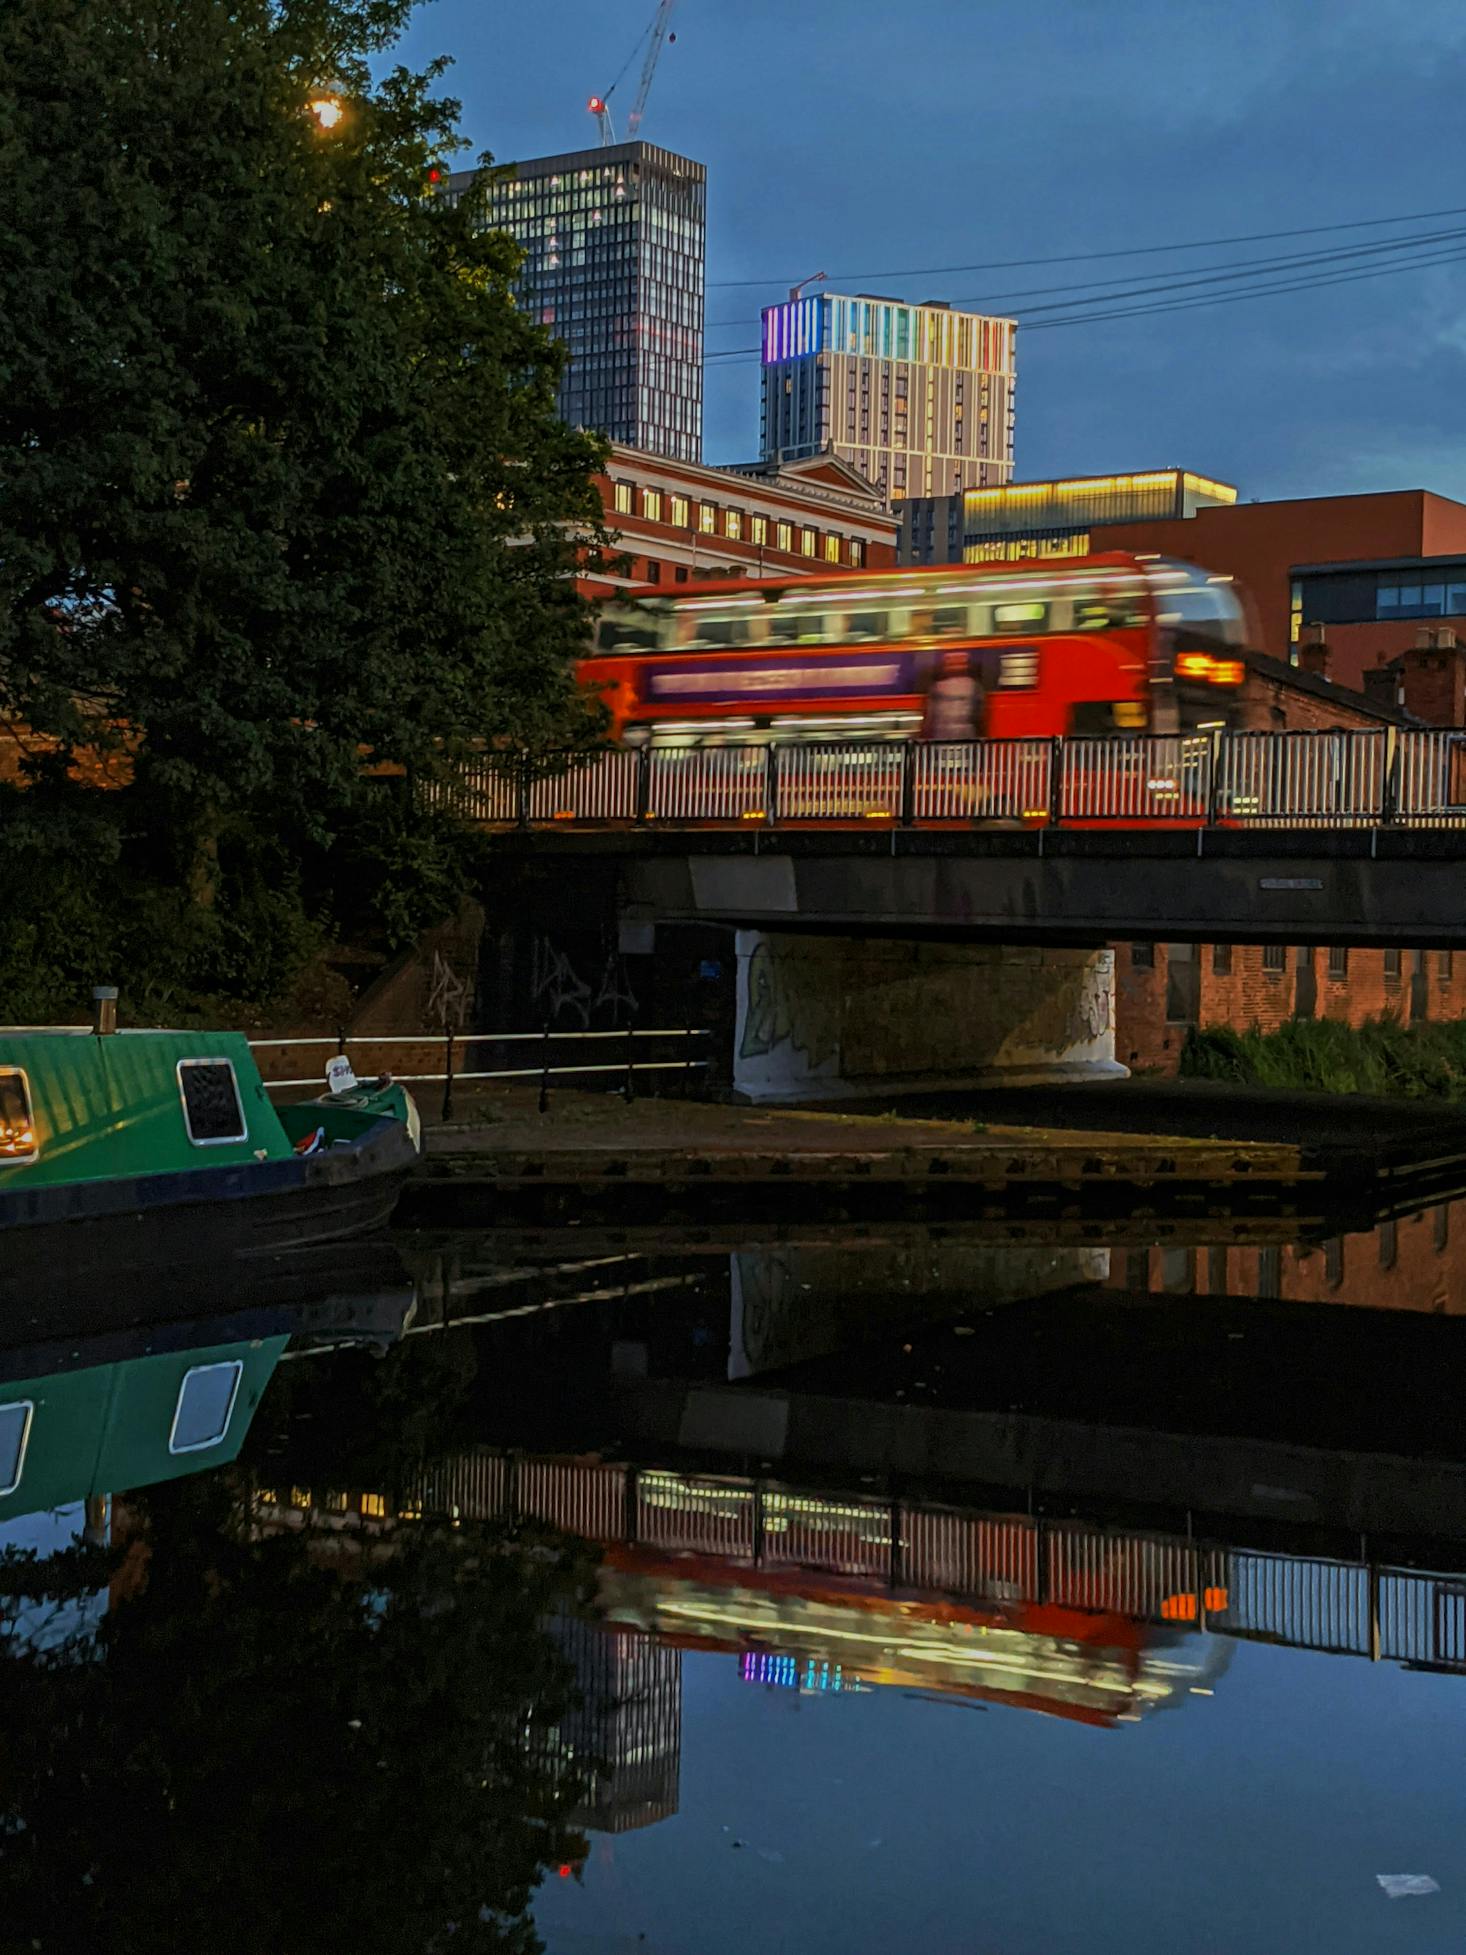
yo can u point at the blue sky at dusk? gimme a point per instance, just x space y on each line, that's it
865 138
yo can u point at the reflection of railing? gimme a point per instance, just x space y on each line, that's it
1327 779
1355 1608
626 1053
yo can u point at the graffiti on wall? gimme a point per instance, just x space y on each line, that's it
785 1005
561 994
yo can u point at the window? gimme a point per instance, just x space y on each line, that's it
680 513
1338 962
1142 957
1221 960
733 524
1177 1271
1389 1244
1216 1271
205 1406
651 505
623 498
15 1432
806 542
758 530
707 518
1274 959
857 553
784 537
832 548
211 1109
17 1131
374 1506
1269 1273
1443 966
1392 967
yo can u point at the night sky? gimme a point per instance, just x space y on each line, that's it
869 139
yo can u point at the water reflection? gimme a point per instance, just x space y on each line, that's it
412 1607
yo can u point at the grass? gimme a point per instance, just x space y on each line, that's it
1324 1055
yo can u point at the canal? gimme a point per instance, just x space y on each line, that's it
998 1589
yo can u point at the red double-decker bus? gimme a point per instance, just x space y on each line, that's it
1088 646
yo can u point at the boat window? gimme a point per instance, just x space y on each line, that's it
17 1131
205 1406
211 1109
15 1432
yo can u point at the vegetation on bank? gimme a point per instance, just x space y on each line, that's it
1324 1055
287 514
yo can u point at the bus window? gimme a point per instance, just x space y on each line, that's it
865 624
628 631
806 630
722 631
1020 617
947 621
1018 666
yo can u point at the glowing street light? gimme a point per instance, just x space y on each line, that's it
327 111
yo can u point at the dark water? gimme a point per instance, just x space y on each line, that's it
1081 1586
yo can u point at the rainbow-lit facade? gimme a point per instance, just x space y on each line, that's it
919 398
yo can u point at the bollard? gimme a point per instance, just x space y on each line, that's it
448 1075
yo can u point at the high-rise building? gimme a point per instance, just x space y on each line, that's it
614 244
918 397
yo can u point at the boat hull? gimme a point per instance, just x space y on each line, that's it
205 1215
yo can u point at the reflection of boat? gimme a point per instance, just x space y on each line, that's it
127 1409
1094 1666
120 1149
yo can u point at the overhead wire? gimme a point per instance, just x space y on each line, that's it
1127 251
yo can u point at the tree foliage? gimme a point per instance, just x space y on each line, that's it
282 485
281 1742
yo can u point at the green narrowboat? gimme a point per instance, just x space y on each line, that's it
128 1149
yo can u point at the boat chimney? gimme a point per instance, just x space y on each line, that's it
104 1016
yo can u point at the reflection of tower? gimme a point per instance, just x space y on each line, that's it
629 1721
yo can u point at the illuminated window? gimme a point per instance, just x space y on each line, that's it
651 505
806 543
374 1506
784 536
832 548
205 1406
758 530
707 518
681 517
17 1132
733 524
623 498
301 1497
857 552
15 1432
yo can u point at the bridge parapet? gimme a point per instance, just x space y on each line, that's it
1380 777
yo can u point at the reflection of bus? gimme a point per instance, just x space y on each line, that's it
1093 1667
1094 645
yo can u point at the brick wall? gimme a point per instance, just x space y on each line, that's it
1417 1263
1239 986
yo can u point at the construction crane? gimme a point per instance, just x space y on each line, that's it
815 278
655 35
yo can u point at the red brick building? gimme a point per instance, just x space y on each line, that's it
683 522
1278 551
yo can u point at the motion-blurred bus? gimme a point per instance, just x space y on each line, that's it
1090 646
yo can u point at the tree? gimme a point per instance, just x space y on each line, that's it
274 1742
282 484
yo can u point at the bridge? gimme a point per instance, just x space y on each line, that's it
977 855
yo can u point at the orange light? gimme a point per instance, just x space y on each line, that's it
1179 1608
1194 665
1215 1600
1228 672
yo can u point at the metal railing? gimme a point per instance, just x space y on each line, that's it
1329 779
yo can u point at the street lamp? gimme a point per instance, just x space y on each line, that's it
327 111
